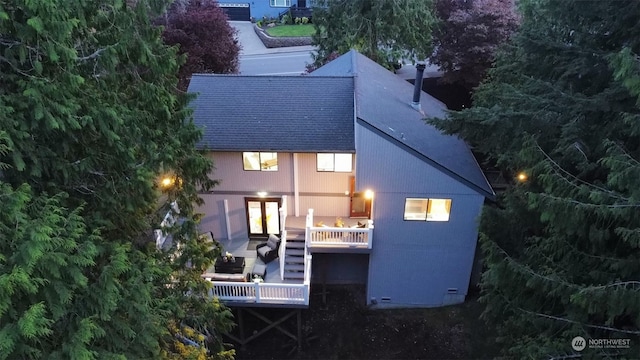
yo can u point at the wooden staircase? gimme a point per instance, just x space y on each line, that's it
294 255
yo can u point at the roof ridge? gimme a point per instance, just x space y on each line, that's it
269 76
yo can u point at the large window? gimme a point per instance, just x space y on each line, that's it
335 162
280 3
427 209
260 161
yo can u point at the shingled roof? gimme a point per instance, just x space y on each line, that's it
274 113
315 114
383 104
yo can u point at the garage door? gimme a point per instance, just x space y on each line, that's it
238 12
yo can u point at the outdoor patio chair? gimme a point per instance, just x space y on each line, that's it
268 251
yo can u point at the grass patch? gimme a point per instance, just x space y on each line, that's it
291 30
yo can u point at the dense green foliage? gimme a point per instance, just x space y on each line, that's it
468 35
562 248
385 31
204 36
90 119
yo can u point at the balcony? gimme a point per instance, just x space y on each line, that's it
356 235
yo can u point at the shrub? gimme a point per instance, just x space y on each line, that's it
286 19
298 20
259 23
305 20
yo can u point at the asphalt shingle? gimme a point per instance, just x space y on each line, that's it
274 113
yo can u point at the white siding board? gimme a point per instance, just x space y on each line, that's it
315 181
413 263
384 166
228 169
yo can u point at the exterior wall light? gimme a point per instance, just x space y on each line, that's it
262 193
167 182
368 194
522 176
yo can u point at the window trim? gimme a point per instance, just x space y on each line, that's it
427 209
260 161
273 3
334 163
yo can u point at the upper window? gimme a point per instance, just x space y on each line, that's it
335 162
427 209
260 161
280 3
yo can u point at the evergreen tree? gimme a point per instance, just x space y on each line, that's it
91 115
562 245
383 30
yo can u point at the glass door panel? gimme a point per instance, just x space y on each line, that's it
254 211
273 217
263 216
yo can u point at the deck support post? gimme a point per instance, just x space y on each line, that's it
271 324
299 330
241 326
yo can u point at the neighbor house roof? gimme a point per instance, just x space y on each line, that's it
274 113
383 104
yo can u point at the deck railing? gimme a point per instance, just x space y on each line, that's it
337 237
281 252
341 237
263 293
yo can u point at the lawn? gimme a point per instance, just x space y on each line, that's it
291 30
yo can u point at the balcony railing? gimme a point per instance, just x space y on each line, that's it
338 237
263 293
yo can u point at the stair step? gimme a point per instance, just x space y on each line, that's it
293 267
295 245
294 276
294 252
293 263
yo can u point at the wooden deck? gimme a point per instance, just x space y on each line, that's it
274 291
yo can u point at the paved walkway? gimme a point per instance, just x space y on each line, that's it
252 45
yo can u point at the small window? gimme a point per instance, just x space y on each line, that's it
438 209
260 161
427 209
280 3
335 162
416 209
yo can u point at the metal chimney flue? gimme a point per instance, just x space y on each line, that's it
417 86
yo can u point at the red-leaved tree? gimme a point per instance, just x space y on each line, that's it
468 36
202 31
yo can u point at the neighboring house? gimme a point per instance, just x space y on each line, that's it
345 142
257 9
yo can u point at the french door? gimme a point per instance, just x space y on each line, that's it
360 205
263 216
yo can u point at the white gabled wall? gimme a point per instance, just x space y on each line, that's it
415 263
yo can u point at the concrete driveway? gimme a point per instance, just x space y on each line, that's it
252 45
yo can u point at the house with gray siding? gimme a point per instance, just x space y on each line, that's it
341 166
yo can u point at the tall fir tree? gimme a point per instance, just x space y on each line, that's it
92 119
562 245
385 31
